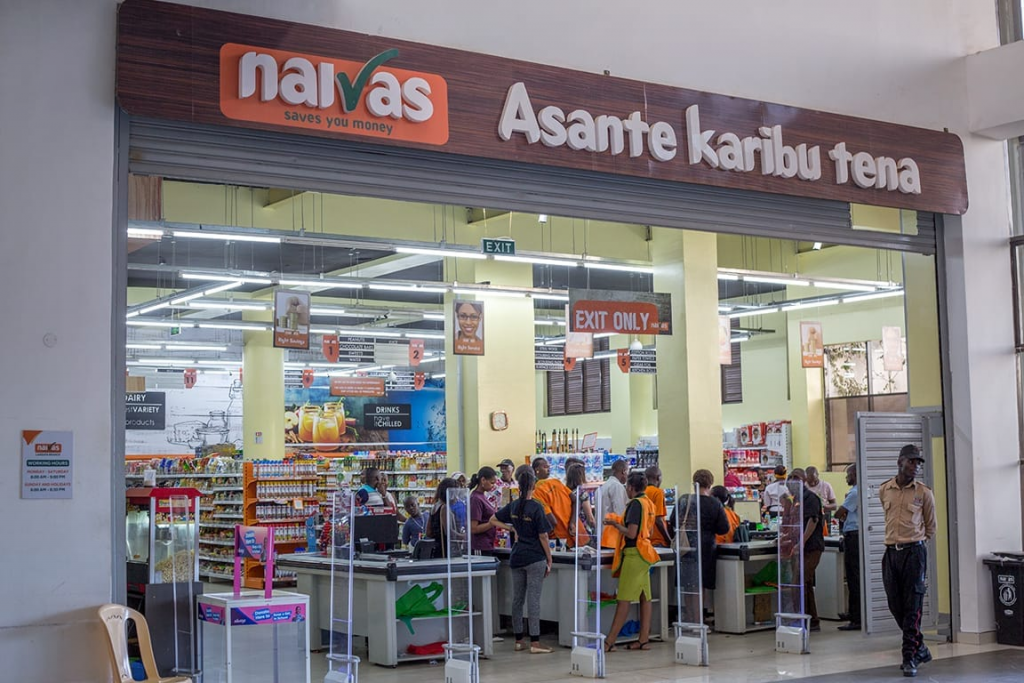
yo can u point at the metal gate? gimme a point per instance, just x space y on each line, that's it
879 439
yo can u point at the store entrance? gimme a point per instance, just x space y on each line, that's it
280 342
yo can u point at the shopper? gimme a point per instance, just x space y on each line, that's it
661 537
848 515
722 495
771 499
632 563
530 560
822 488
582 512
555 497
713 521
387 496
909 524
481 510
441 523
368 494
501 494
415 524
732 480
613 491
813 542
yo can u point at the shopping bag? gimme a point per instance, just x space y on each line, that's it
418 602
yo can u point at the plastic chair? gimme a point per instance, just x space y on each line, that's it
115 619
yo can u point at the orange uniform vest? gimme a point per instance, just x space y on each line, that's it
555 497
643 537
734 522
657 498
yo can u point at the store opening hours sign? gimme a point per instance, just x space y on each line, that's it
46 464
607 311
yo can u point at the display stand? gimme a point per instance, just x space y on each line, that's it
587 637
792 625
342 664
184 532
462 655
254 636
691 633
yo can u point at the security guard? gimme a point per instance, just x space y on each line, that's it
909 524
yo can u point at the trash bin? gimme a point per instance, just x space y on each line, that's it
1007 583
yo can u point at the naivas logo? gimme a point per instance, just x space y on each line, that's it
334 95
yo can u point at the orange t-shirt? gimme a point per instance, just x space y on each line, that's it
657 498
734 521
557 500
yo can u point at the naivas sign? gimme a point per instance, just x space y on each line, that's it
310 91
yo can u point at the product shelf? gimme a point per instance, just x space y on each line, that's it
215 541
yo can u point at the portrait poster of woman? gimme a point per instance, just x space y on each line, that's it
469 328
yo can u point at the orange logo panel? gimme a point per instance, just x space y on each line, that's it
324 85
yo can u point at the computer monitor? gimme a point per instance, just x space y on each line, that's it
377 529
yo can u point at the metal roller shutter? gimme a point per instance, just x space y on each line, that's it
250 157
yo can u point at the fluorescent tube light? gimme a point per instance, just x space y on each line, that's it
193 347
228 306
154 307
322 284
223 288
165 361
602 335
740 338
145 233
256 327
227 237
620 267
731 277
488 292
437 376
810 304
148 347
447 253
724 309
549 322
549 297
368 333
776 281
601 356
225 362
816 246
433 316
187 297
408 288
326 310
228 278
423 335
554 342
841 285
158 323
755 311
538 260
431 360
869 297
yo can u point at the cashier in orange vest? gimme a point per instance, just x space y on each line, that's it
660 536
555 497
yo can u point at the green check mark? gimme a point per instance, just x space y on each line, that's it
351 92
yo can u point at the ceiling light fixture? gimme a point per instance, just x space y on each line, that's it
489 292
223 288
248 327
841 285
816 246
322 284
164 361
145 233
636 345
728 277
242 279
544 296
193 347
158 323
542 218
368 333
648 270
228 306
326 310
754 311
416 289
739 338
549 322
777 281
869 297
433 316
445 253
323 330
188 297
537 260
227 236
809 304
146 347
423 335
154 307
437 376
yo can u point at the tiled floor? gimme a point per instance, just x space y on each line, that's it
835 656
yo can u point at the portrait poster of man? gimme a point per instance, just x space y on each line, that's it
469 328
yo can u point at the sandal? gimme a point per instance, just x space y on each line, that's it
608 647
646 645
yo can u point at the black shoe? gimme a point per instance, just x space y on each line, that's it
923 656
815 626
909 668
850 627
844 616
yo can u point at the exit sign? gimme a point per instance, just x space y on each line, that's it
503 247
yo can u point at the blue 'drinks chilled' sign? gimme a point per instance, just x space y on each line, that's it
387 416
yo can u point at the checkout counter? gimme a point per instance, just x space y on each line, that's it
741 606
378 583
558 593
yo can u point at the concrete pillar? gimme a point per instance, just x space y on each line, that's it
262 397
689 376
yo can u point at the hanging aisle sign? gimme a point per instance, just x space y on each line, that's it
548 358
291 319
620 312
205 66
812 348
643 362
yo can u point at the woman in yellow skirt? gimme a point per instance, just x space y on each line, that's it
634 556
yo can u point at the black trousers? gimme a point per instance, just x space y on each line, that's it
904 574
851 563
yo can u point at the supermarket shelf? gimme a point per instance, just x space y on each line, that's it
186 476
298 477
222 489
216 575
749 448
221 515
413 471
751 467
283 520
215 525
413 488
284 500
211 558
215 541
